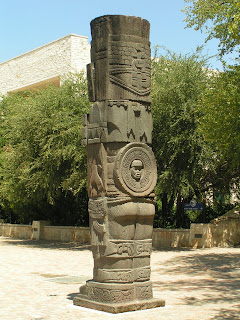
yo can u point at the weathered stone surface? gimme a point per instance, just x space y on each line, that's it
118 307
121 59
118 121
122 171
116 298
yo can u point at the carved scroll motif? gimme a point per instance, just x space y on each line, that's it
110 295
144 291
122 275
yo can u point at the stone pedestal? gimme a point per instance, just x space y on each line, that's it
122 170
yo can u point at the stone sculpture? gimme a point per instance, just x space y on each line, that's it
121 166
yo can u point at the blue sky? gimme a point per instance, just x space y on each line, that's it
28 24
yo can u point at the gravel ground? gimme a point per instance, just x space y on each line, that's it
38 280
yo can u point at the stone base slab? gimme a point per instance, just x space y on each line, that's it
82 301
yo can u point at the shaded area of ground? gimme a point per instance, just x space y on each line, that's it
210 278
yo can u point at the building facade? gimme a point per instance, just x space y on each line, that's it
48 64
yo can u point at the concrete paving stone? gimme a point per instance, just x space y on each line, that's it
39 279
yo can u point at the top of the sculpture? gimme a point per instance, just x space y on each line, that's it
120 52
121 24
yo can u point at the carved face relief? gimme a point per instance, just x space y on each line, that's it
135 169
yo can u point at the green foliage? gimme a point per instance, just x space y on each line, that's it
219 19
221 122
220 125
43 162
178 82
196 137
183 157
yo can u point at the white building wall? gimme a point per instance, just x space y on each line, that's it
45 64
80 53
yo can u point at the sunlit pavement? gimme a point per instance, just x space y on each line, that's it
38 280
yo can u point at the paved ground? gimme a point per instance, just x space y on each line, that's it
39 279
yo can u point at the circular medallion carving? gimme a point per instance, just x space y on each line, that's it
135 169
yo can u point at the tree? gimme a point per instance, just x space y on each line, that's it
220 19
220 125
43 163
220 104
178 83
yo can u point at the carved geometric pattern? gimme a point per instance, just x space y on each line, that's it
130 67
117 121
131 248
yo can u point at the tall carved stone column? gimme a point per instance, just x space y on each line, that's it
121 166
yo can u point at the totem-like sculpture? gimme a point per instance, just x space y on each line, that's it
121 166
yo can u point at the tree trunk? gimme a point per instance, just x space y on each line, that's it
180 212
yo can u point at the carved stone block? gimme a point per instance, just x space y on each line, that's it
118 121
120 52
135 169
117 292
